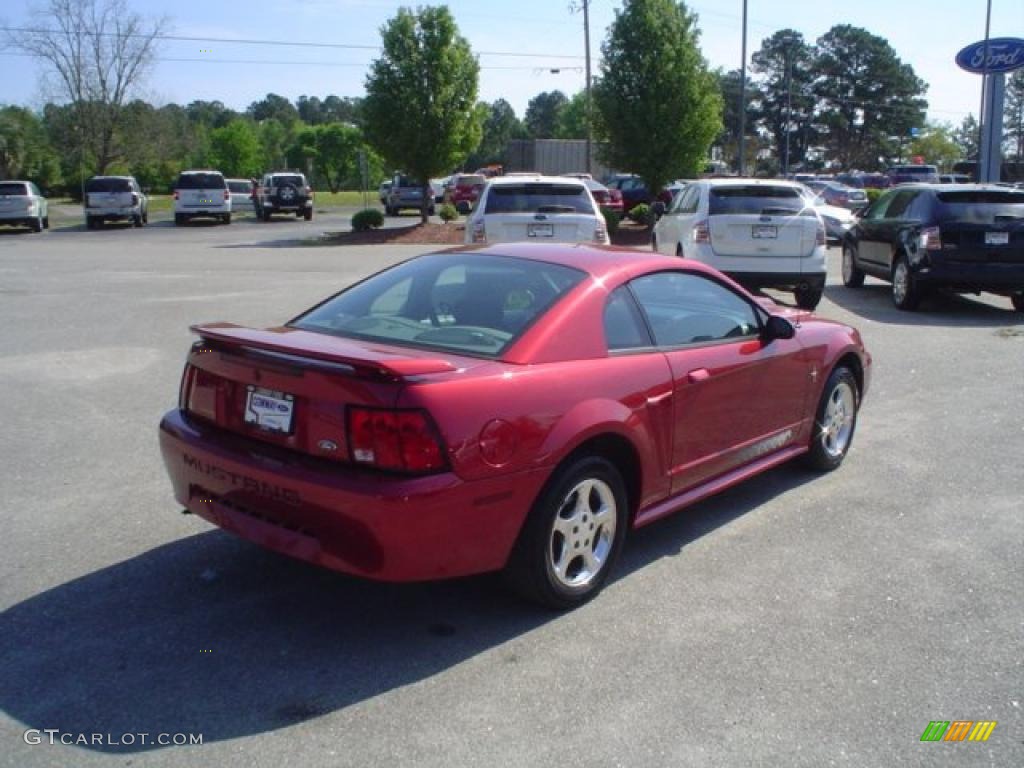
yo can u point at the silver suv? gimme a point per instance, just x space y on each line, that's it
114 198
201 193
22 204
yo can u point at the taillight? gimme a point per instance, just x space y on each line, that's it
227 194
309 192
175 194
479 232
701 232
135 199
601 234
819 235
403 441
931 239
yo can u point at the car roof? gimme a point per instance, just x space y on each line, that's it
504 180
200 170
108 176
247 181
14 181
734 181
601 262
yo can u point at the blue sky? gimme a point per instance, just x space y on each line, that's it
925 33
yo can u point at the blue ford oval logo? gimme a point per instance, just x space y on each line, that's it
999 54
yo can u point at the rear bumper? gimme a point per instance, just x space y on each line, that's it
783 280
368 524
968 277
113 213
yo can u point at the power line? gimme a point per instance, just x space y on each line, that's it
284 43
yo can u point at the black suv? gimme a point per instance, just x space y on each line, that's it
284 192
966 238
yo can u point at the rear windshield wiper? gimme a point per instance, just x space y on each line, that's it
555 209
778 212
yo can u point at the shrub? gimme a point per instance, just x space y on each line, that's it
447 212
367 219
873 194
640 213
611 221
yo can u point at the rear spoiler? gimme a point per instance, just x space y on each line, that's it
299 347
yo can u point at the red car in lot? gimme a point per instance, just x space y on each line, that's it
516 408
465 190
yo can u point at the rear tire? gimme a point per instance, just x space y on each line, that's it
90 223
37 224
1017 300
266 215
572 537
227 218
807 298
679 251
137 220
308 215
46 222
834 421
179 219
906 293
853 276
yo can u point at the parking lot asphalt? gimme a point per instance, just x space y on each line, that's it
796 620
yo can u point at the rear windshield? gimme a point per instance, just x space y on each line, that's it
981 205
469 181
909 170
240 186
756 199
539 198
201 181
282 181
13 189
108 185
465 303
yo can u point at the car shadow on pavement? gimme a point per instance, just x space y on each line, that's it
872 301
211 635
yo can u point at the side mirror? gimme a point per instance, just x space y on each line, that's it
658 209
778 327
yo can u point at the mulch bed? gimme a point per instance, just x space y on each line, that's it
629 234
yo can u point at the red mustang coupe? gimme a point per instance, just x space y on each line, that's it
514 408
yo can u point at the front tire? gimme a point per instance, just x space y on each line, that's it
807 298
853 276
572 537
906 293
835 421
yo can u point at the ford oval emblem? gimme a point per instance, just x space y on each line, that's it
327 445
1004 54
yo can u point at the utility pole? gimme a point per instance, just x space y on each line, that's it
743 97
586 43
982 143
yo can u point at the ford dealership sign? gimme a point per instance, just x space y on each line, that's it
1004 54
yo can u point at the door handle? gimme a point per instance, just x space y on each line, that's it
698 375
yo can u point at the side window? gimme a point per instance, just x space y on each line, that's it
685 308
880 206
623 326
900 203
920 208
692 201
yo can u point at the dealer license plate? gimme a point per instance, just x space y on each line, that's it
764 232
540 230
269 410
997 238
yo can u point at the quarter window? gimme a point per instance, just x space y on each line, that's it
623 325
685 308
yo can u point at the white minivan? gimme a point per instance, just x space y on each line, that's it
536 209
201 194
762 233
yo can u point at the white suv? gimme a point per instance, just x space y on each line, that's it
760 232
543 209
201 193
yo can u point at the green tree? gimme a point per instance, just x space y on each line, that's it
274 107
936 144
543 113
210 113
25 151
729 138
656 99
572 119
785 102
274 140
235 149
420 108
869 99
1013 115
500 126
966 137
333 150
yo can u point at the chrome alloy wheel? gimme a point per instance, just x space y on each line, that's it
582 534
847 265
900 282
837 421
